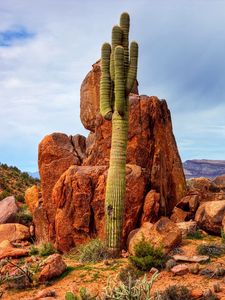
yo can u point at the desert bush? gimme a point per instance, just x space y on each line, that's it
33 250
4 194
93 251
24 216
83 295
212 250
20 198
131 271
174 292
70 296
197 235
133 290
46 249
146 256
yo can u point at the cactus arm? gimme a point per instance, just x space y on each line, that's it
132 72
125 26
105 83
119 81
117 35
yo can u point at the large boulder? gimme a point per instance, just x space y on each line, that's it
52 267
79 196
13 232
90 97
8 210
209 216
56 153
164 233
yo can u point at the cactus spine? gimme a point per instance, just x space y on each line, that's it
119 71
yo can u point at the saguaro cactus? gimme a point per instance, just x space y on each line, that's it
119 71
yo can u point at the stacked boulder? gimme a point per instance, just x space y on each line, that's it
73 170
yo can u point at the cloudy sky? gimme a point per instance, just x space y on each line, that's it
48 46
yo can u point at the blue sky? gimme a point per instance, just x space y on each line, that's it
48 46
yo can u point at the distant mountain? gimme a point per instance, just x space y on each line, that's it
34 174
203 168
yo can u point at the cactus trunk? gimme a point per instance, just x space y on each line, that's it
116 183
117 79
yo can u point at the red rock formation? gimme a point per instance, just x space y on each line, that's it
151 145
72 206
79 196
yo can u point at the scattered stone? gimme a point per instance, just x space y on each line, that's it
170 264
189 203
194 269
164 232
124 254
181 269
8 210
196 294
54 266
207 293
187 228
195 258
13 252
217 287
46 293
178 215
13 232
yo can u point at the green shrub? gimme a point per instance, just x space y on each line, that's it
146 256
24 216
20 198
4 194
93 251
195 235
175 292
46 249
33 250
70 296
212 250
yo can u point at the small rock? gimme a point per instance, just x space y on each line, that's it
194 269
181 269
196 294
207 293
124 254
45 293
217 287
170 264
178 215
54 266
106 262
187 227
195 258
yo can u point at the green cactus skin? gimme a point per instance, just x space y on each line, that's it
117 80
